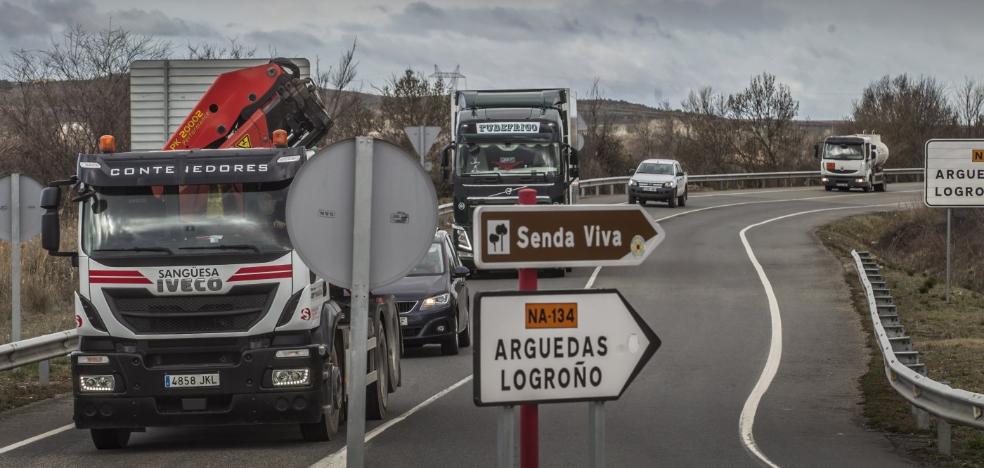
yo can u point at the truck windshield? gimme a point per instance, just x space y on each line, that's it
843 151
655 168
186 220
507 158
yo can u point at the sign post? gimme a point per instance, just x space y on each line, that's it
529 415
954 179
361 214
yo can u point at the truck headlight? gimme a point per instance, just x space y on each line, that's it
291 377
435 301
86 359
97 383
461 238
292 353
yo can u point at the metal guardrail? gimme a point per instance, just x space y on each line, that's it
36 349
612 182
902 367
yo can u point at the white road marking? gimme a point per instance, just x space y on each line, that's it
746 421
36 438
338 458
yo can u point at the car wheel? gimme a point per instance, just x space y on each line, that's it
377 396
110 439
331 414
632 200
672 202
450 345
464 338
683 199
828 188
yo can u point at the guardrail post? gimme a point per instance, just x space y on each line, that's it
922 418
43 373
943 437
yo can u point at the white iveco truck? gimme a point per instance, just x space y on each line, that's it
194 309
852 161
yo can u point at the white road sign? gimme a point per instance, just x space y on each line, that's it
29 204
556 346
954 173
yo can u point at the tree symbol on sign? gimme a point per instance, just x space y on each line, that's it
500 232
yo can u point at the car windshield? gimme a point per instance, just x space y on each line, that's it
217 218
431 264
843 151
507 158
655 168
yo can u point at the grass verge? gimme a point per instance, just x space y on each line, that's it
949 337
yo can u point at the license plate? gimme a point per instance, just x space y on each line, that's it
403 321
191 380
842 184
650 189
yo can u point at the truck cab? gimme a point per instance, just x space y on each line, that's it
194 309
505 141
852 161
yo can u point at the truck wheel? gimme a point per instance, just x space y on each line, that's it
450 345
395 369
110 439
377 396
672 202
331 414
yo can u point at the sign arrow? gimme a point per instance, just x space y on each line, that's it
554 236
557 346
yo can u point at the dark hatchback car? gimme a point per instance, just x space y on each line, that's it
433 300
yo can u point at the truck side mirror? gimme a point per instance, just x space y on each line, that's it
573 161
874 154
816 151
445 161
50 227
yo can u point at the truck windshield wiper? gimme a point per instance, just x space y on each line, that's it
137 249
223 247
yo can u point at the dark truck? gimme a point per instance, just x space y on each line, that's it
504 141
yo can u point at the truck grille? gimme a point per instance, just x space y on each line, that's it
405 306
142 312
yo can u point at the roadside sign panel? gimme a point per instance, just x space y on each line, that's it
557 346
30 207
320 213
550 236
954 173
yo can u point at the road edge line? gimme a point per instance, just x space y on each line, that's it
31 440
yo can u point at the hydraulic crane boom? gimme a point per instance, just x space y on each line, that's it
242 109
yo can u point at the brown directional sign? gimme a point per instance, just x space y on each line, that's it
547 236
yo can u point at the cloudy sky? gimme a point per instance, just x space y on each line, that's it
642 51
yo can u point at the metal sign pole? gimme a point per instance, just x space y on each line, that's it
359 311
596 427
15 259
948 213
505 451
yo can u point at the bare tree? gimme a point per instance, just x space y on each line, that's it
604 153
768 138
67 95
347 106
906 112
707 140
210 51
970 107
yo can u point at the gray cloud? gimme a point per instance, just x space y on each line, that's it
17 21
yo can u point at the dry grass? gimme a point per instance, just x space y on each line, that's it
949 336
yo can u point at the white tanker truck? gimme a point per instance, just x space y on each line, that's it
852 161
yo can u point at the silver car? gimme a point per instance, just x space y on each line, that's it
658 180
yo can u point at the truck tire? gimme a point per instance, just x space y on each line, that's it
395 352
110 439
377 394
450 345
334 404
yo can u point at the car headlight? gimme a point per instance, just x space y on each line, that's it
669 184
633 182
435 301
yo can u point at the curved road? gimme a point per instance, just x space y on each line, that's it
740 380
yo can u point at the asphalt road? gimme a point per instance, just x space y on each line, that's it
701 293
